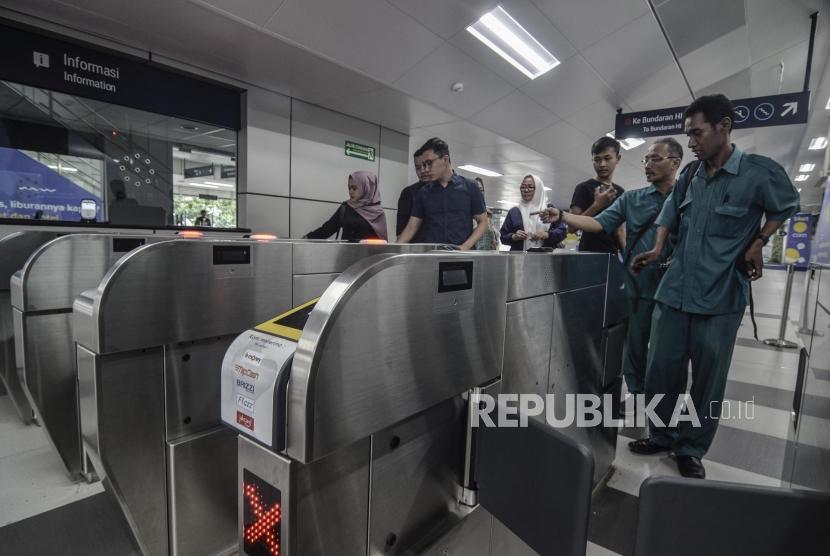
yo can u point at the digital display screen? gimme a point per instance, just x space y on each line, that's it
455 276
296 319
125 244
231 254
262 516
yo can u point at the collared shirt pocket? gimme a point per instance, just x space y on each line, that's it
728 220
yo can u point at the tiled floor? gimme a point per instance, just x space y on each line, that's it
750 451
32 477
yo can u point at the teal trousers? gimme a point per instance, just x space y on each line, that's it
636 346
676 339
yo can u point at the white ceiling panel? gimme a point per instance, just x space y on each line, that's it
568 88
766 78
717 60
431 80
690 25
587 21
257 12
445 18
630 54
515 116
563 141
391 108
594 120
662 89
775 26
463 132
369 36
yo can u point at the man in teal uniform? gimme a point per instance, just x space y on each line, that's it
702 297
638 210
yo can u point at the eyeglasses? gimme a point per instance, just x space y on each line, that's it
523 186
427 164
656 159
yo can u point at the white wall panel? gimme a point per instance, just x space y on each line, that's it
265 142
319 166
309 215
394 166
264 214
391 215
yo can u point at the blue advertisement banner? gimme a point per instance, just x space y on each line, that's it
799 231
821 241
29 188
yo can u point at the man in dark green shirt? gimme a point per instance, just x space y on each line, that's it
703 295
638 210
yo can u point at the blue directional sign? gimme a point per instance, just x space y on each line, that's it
786 109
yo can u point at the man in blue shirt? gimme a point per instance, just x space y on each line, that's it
702 297
638 210
448 204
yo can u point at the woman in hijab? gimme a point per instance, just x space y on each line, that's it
523 228
361 217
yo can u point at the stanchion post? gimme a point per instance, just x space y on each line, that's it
804 318
780 342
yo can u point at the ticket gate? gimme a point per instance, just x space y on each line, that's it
15 248
42 293
354 408
149 341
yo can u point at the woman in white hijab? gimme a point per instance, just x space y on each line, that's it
523 228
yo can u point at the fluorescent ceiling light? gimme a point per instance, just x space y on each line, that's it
502 201
507 38
219 183
806 167
479 170
548 188
828 105
202 185
817 143
799 190
627 144
802 177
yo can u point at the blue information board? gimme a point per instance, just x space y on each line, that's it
821 241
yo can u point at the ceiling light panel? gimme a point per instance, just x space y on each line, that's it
818 143
806 167
627 144
479 170
802 177
506 37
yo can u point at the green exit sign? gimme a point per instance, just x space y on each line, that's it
356 150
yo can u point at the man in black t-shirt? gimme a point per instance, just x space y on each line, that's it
593 196
407 198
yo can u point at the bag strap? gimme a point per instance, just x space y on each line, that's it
640 233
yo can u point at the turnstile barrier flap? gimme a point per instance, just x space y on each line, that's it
537 481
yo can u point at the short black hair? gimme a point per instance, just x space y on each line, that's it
604 143
713 107
436 145
672 146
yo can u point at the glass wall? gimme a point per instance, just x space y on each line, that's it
140 167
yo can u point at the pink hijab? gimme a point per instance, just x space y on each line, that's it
368 203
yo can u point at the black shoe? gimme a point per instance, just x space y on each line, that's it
690 466
646 447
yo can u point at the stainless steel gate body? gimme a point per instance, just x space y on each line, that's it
15 248
42 292
150 340
375 410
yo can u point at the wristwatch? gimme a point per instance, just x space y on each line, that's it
764 239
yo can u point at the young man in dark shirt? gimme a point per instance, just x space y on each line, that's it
448 204
592 196
406 200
